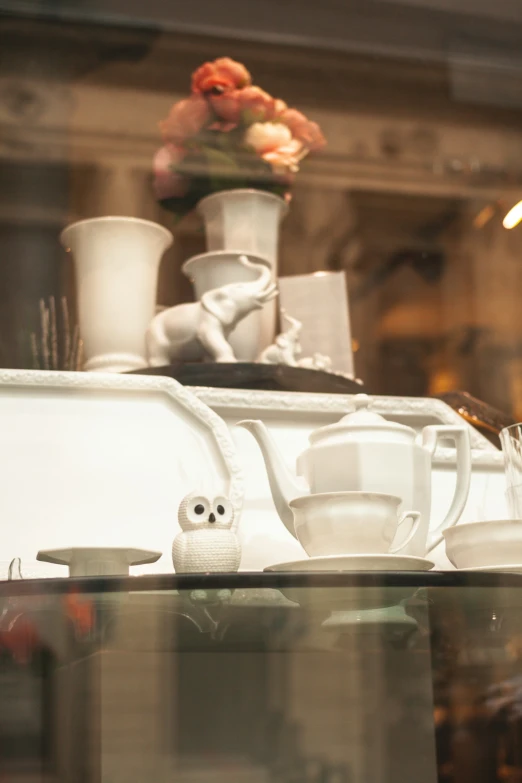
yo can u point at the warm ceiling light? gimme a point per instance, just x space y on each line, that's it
513 217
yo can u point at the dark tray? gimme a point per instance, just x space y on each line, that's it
249 375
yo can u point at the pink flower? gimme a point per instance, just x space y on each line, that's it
167 182
274 143
251 104
219 76
309 133
186 118
313 137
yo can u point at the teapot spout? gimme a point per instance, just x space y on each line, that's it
283 485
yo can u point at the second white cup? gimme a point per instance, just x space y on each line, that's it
350 523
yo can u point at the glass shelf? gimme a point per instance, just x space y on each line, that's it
336 677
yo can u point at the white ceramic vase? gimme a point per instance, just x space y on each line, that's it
216 269
117 261
247 221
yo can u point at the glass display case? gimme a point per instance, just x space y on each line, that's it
336 678
260 332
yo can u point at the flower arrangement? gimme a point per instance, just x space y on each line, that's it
229 134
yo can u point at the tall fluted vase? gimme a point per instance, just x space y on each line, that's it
117 261
247 221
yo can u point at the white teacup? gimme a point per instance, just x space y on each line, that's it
350 523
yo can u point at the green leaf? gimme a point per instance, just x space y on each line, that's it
219 160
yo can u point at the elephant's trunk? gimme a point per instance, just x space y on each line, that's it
263 281
294 326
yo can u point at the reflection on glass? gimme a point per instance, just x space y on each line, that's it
421 109
315 684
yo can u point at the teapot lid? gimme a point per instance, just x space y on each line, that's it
361 419
363 413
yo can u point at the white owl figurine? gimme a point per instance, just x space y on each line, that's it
208 541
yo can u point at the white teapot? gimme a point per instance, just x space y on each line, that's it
365 452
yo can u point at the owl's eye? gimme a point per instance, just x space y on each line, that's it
195 511
223 510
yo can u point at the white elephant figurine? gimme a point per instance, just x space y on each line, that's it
286 349
199 330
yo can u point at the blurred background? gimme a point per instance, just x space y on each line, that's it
421 104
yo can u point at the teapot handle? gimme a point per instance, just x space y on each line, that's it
460 435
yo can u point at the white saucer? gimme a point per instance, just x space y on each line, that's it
347 563
507 569
98 561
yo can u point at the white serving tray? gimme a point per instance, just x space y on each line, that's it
291 417
90 459
103 460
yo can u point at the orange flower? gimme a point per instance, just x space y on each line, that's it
309 133
186 118
220 76
167 182
252 104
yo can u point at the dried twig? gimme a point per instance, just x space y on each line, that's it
34 351
44 323
75 349
54 334
56 347
71 359
66 332
79 355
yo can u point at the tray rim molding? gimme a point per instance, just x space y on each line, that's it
215 400
484 453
